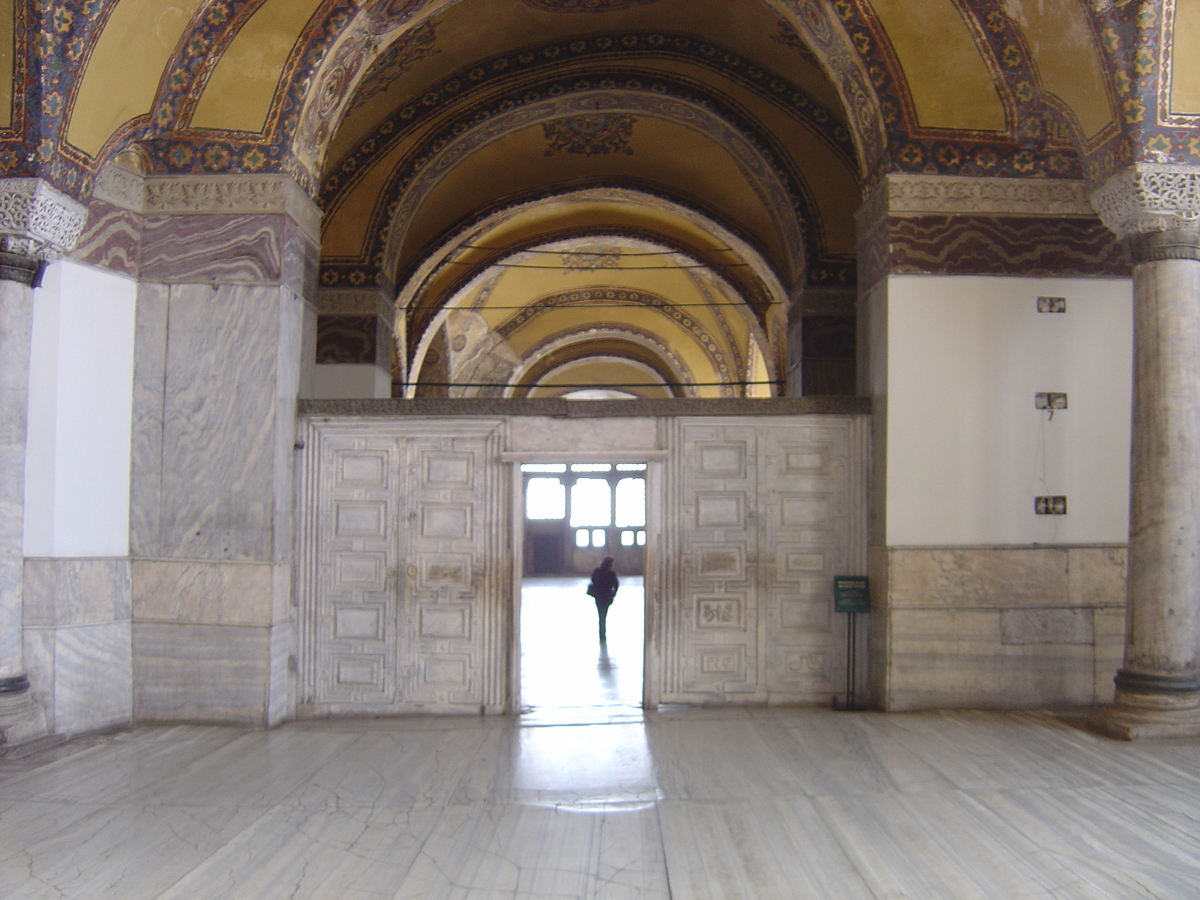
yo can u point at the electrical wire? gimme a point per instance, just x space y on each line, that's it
605 385
459 262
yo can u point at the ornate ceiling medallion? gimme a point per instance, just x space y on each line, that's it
585 6
589 134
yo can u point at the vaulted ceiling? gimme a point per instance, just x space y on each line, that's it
739 136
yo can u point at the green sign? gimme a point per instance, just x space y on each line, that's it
851 594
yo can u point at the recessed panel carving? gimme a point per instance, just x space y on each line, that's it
719 510
361 469
806 460
719 612
358 623
450 470
359 519
367 571
446 570
446 671
726 663
723 460
445 621
804 664
805 615
725 561
445 521
801 511
795 564
359 671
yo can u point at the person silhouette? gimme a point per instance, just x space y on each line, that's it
603 588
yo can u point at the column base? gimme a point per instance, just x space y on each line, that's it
1135 723
21 720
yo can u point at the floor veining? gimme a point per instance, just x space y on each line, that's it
689 804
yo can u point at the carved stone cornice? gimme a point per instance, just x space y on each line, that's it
121 187
1150 197
181 195
37 221
958 195
364 302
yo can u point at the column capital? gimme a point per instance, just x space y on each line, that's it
1148 198
37 221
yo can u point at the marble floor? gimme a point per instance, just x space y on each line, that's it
561 803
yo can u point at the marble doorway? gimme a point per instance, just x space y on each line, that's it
566 675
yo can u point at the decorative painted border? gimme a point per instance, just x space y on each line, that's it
622 46
797 216
915 150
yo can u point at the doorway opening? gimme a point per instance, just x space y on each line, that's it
575 515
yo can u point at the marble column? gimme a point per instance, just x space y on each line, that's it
37 224
1156 209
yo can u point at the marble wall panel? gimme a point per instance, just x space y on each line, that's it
1046 626
110 239
200 673
977 577
38 645
1049 629
955 658
93 682
1029 246
149 371
215 249
219 450
1109 623
544 435
281 684
76 591
1096 576
288 374
209 593
301 259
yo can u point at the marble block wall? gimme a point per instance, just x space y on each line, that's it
77 642
997 627
217 376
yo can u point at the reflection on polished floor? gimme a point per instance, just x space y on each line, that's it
566 674
691 804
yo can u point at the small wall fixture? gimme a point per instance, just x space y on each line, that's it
1052 304
1050 506
1050 400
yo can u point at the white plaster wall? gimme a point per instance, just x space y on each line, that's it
351 382
967 452
80 408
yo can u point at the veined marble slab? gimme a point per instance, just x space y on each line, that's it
704 804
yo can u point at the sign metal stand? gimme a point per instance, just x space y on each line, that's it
851 595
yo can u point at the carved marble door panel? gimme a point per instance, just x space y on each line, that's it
813 528
452 538
403 567
353 638
710 618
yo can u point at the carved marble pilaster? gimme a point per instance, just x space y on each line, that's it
1155 209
